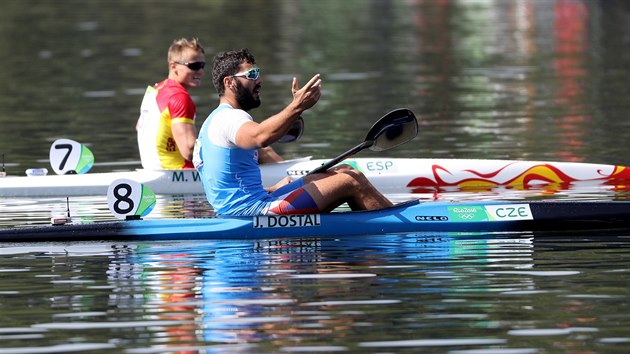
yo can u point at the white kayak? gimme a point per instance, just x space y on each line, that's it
389 175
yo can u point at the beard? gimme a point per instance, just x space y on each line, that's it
245 98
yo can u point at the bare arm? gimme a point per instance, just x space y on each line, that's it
185 136
254 135
268 155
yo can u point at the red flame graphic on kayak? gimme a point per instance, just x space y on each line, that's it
534 176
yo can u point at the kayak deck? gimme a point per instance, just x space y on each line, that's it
410 217
389 175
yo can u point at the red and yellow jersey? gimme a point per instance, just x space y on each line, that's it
163 105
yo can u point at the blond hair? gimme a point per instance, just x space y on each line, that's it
180 45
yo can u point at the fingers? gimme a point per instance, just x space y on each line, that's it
295 88
315 81
309 94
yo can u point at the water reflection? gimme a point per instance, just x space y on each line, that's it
570 65
514 290
525 79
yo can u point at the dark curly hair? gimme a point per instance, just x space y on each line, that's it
226 64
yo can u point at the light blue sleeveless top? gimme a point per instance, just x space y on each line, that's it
230 176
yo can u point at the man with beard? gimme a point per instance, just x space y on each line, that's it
166 127
226 153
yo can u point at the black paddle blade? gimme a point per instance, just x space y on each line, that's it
294 133
395 128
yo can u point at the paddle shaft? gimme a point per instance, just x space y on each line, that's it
326 166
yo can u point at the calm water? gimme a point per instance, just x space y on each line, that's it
536 80
404 293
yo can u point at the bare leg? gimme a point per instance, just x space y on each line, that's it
344 185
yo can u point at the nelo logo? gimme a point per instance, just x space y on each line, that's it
297 172
431 218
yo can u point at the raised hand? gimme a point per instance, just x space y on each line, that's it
307 96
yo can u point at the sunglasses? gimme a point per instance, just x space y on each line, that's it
194 66
251 74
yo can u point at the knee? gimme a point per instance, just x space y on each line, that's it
342 168
357 176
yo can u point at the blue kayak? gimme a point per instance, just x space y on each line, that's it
410 217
